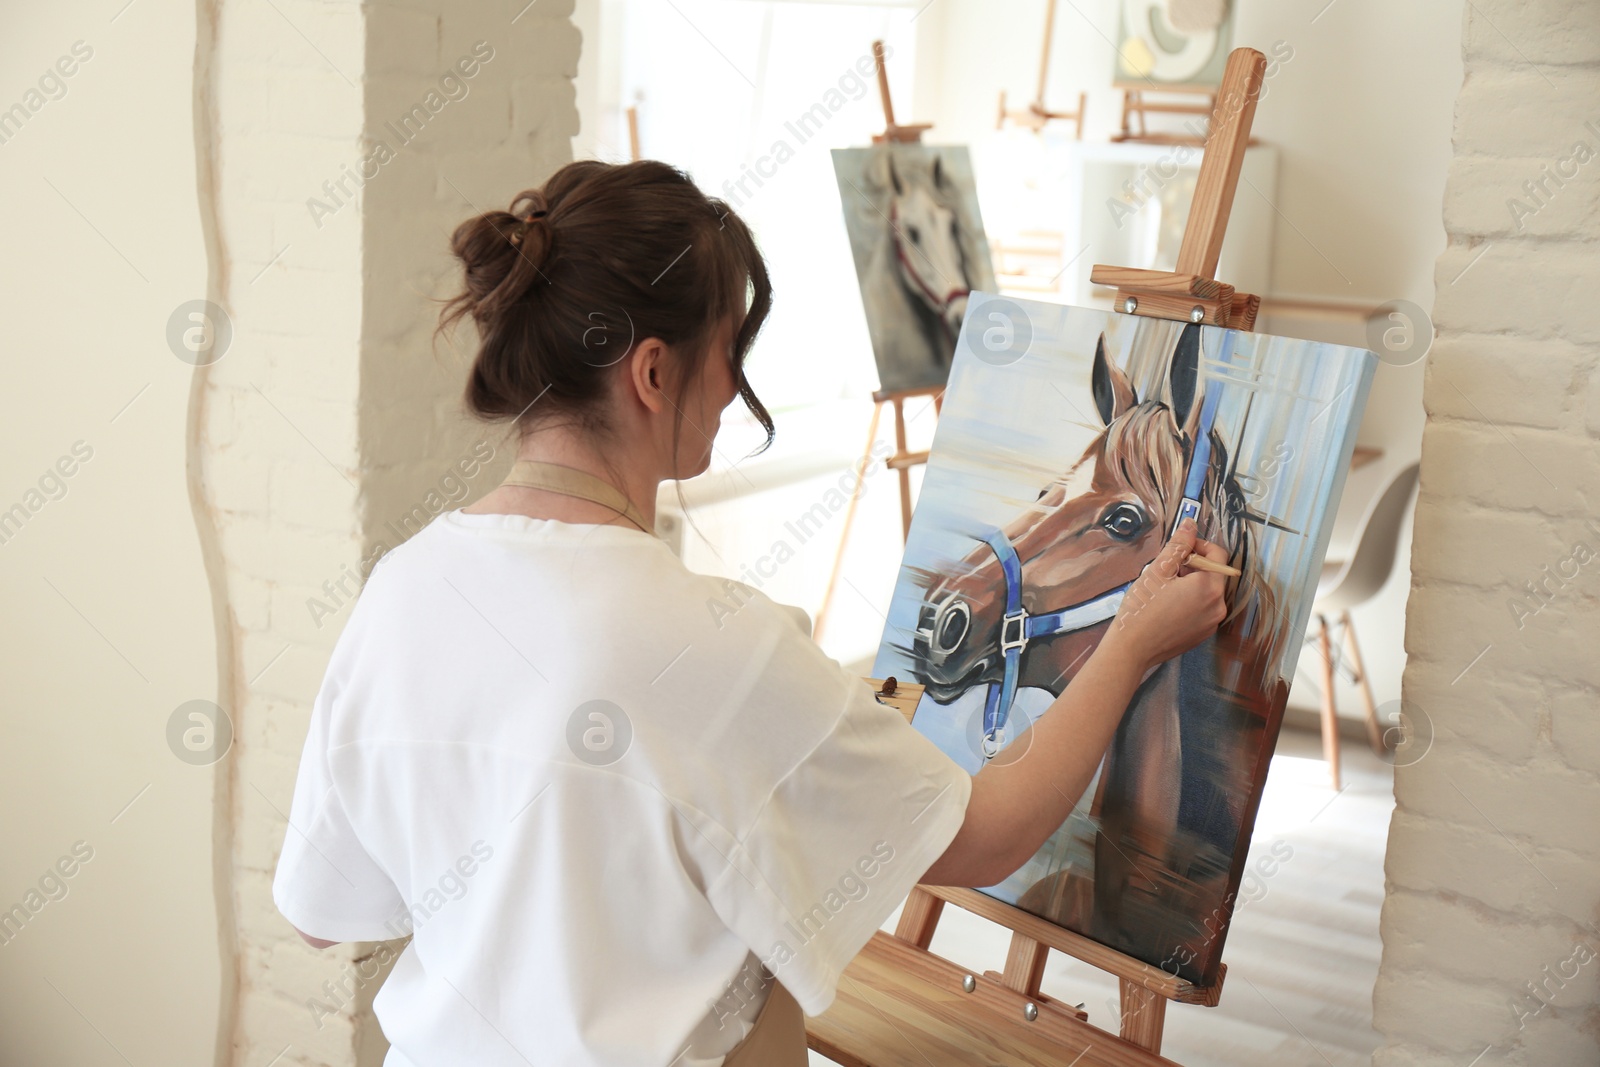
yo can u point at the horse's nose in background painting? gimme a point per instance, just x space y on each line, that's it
955 312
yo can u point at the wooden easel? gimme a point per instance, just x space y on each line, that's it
1134 105
899 1005
892 131
1035 116
902 460
633 132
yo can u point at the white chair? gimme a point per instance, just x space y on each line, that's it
1346 584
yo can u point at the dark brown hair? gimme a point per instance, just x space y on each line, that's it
604 255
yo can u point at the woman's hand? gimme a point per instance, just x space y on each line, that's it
1171 608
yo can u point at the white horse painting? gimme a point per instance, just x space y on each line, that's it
911 212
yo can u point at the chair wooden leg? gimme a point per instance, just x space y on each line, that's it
1374 732
1330 712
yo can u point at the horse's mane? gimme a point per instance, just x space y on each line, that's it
1150 457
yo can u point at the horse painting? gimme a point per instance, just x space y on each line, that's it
911 214
1151 861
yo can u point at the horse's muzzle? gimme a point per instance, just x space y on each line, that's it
955 310
943 647
947 626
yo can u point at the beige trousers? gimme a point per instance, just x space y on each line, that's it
779 1037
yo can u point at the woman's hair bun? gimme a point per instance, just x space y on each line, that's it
501 253
530 207
603 255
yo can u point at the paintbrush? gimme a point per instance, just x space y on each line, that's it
1200 563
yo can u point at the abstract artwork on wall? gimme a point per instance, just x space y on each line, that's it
911 212
1070 444
1172 43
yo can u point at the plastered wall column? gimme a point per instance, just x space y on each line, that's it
1491 926
108 930
341 143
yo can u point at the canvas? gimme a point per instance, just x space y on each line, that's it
1070 443
911 212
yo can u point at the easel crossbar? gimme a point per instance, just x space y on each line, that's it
1141 974
901 1006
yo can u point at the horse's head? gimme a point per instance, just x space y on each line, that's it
1092 530
927 237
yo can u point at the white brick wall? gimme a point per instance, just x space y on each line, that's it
1491 927
331 414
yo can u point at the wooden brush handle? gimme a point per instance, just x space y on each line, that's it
1200 563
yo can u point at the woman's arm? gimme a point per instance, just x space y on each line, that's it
1017 804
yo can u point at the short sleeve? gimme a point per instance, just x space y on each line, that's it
842 840
327 884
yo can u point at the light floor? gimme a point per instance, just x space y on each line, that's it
1303 950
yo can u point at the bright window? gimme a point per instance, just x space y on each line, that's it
749 97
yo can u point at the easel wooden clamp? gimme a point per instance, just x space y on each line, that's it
897 991
1191 293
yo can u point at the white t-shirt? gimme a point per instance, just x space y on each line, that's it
595 785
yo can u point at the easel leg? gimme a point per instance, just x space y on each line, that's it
1374 734
1144 1016
1330 711
1025 962
849 518
1044 57
905 473
919 917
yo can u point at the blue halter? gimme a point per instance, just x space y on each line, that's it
1194 481
1017 627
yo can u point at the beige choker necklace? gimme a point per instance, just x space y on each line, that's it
569 481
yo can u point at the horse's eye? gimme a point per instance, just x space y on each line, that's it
1123 521
915 235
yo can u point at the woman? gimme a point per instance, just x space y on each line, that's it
626 825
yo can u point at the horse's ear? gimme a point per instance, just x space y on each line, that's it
1113 393
1185 375
938 172
894 175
